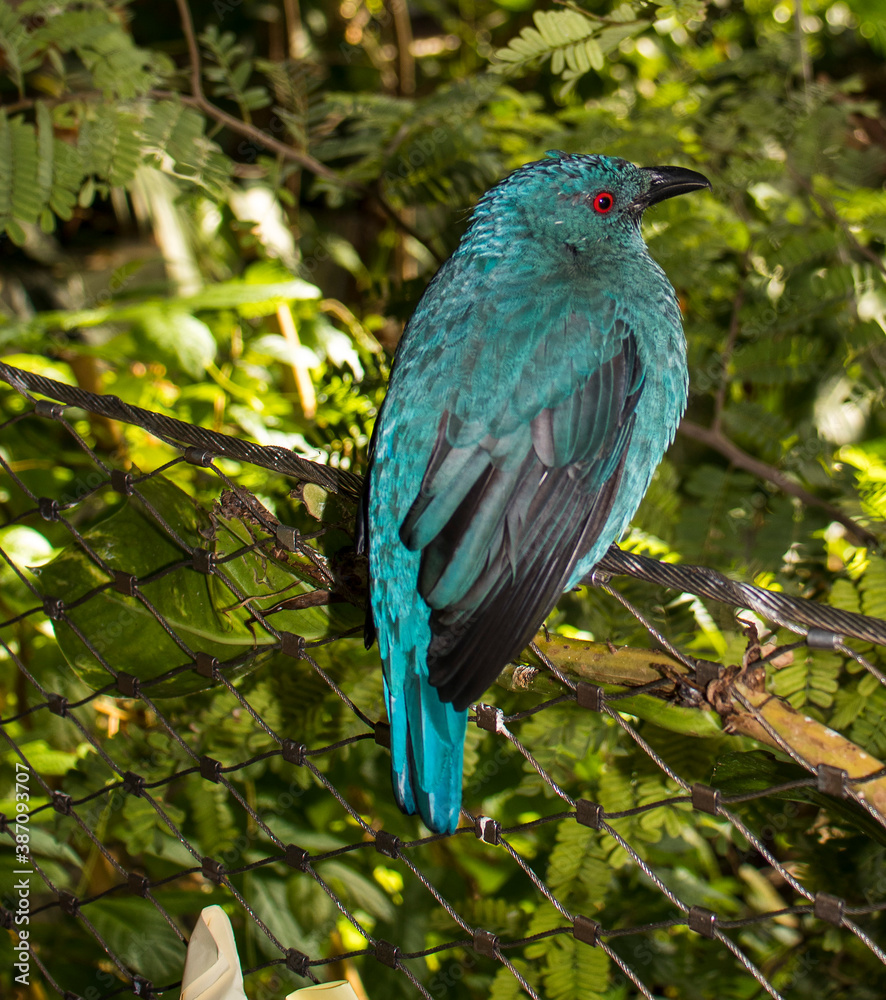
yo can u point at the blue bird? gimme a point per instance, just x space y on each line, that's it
533 393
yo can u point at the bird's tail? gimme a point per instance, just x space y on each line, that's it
427 746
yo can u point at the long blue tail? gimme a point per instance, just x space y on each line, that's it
427 743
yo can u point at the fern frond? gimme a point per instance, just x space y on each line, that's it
366 123
797 249
43 177
569 968
869 729
230 69
45 166
21 52
849 703
18 166
778 361
872 494
25 196
577 864
756 423
67 178
842 281
809 681
173 136
845 596
40 176
574 40
299 102
560 32
574 969
873 588
110 145
506 987
96 36
213 819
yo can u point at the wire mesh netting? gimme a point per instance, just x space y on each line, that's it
192 719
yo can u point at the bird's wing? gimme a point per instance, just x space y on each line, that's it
501 519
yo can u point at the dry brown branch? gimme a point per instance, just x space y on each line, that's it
741 459
736 703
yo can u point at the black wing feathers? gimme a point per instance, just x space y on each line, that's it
468 651
501 532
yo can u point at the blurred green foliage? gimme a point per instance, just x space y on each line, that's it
244 255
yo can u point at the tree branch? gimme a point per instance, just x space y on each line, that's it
403 31
719 442
828 209
403 225
199 100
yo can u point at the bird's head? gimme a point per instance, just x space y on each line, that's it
580 200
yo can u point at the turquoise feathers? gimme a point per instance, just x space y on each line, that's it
533 393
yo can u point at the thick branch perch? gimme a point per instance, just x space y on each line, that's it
616 671
814 742
736 703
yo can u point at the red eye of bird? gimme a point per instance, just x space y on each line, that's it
603 202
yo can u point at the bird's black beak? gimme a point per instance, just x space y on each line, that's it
668 182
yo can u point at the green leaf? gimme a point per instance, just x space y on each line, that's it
362 892
20 48
873 588
178 338
174 141
67 177
48 760
110 145
160 315
809 680
199 608
107 51
153 951
123 629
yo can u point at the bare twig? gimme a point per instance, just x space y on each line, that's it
199 100
715 439
403 225
828 209
403 31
